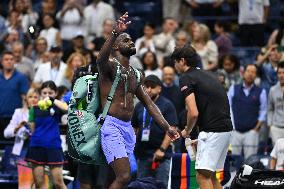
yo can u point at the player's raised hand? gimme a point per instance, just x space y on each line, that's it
122 23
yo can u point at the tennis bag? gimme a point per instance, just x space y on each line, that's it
249 178
83 133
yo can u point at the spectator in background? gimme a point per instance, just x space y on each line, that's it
205 47
171 8
153 144
77 46
13 22
45 144
223 40
18 126
181 38
47 7
13 86
26 15
40 55
150 64
252 17
146 42
275 115
267 64
75 61
230 67
53 70
12 37
189 27
95 14
164 42
277 37
71 19
249 106
23 64
170 90
277 156
50 33
98 42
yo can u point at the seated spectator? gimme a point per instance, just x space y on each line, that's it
164 42
170 90
189 27
27 16
230 67
150 64
18 126
52 70
50 33
23 64
13 22
75 61
181 38
205 47
223 40
277 156
47 7
145 43
77 46
40 54
12 37
71 19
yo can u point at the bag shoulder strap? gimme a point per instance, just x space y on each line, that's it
138 76
110 95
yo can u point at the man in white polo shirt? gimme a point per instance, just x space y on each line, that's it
53 70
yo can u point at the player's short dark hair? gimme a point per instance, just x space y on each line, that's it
188 53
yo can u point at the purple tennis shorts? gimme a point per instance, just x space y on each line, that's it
117 138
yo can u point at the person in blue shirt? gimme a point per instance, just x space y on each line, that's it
45 144
153 150
13 86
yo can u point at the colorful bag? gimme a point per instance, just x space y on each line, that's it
83 133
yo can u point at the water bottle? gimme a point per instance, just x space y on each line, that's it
190 150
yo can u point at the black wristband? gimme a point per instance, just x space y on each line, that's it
115 33
162 149
51 99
